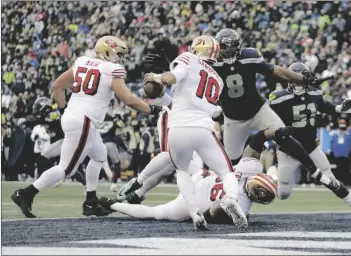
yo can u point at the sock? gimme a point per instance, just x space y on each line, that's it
293 148
92 174
154 166
80 178
107 169
337 187
91 195
230 184
30 191
187 189
49 177
154 180
135 210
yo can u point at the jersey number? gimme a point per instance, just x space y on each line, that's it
210 85
300 119
90 83
217 192
235 86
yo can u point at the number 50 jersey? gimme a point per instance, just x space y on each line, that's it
92 91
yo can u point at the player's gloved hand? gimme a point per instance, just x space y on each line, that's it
308 79
154 61
155 109
130 151
346 105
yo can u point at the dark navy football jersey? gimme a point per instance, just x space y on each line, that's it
107 129
55 130
299 112
240 99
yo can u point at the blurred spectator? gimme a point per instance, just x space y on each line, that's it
41 40
341 151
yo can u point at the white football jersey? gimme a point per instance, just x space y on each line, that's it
209 190
196 92
92 91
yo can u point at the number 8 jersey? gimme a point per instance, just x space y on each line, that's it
240 99
91 90
196 92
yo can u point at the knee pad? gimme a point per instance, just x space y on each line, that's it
284 190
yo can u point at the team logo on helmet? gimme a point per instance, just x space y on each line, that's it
111 43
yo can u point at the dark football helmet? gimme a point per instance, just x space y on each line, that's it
230 44
42 107
299 67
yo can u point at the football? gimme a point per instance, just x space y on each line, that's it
153 89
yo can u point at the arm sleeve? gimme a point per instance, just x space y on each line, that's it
180 72
264 68
325 106
146 142
119 72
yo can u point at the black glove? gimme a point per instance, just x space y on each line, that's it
308 79
156 62
155 109
346 104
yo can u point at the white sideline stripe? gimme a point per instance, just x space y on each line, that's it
262 213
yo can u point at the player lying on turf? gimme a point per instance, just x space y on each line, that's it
297 106
254 186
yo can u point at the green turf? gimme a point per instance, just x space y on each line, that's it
66 201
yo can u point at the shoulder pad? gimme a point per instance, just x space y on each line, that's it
183 59
250 55
279 96
118 71
314 91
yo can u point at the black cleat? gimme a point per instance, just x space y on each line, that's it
133 198
23 203
106 203
127 189
92 207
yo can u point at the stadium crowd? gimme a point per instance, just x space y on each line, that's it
40 40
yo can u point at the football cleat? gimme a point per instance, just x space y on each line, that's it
106 203
23 203
133 198
231 206
199 222
92 207
127 189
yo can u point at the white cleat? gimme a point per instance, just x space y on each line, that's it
199 221
231 206
113 187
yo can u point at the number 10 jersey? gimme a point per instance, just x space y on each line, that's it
91 90
196 92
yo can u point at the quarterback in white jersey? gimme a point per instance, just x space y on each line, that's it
209 191
197 88
94 82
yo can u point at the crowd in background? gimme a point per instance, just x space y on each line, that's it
40 40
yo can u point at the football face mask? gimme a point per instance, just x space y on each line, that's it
261 188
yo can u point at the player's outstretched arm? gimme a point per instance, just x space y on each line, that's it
64 81
168 78
128 98
290 76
